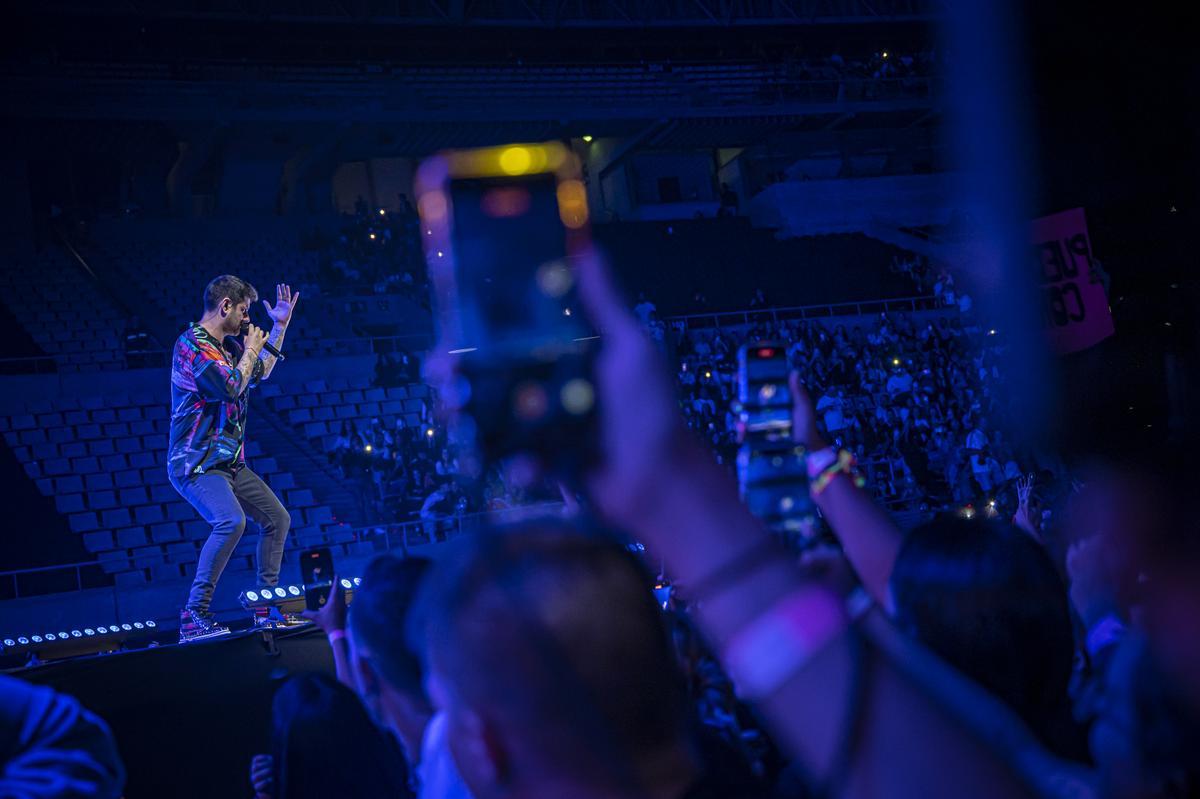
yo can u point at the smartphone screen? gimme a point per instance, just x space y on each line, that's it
515 288
764 397
316 566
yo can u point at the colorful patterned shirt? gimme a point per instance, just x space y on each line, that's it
208 405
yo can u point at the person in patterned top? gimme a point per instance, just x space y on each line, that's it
211 374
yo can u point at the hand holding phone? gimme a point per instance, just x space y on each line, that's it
507 226
329 612
771 465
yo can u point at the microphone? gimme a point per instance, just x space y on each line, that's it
269 347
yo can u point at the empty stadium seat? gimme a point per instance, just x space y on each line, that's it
98 481
69 503
117 517
166 532
83 522
102 500
127 579
299 498
130 537
98 541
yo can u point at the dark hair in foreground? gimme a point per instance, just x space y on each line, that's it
236 289
986 598
377 618
326 745
557 635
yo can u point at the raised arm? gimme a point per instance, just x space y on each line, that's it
854 712
870 540
281 315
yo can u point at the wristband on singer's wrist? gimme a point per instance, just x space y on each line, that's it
336 635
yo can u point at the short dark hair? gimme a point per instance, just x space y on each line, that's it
378 615
986 598
557 634
231 286
325 744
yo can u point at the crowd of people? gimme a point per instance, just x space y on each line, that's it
860 76
551 658
918 399
411 473
375 249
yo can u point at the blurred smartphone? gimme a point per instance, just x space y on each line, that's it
505 227
772 472
774 485
764 399
316 575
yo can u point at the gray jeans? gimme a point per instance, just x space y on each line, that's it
225 501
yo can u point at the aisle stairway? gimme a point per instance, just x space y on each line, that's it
310 468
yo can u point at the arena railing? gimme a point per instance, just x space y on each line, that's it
775 314
367 345
395 536
28 364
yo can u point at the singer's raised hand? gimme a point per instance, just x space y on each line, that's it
285 303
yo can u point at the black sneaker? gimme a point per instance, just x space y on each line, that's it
196 625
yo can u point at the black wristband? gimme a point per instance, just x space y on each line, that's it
736 569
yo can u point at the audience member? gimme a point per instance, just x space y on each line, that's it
52 747
324 745
389 675
552 663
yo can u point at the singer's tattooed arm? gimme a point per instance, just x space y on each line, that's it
276 341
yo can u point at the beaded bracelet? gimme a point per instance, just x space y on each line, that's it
844 465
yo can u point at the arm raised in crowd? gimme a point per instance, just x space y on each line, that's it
849 703
331 618
870 540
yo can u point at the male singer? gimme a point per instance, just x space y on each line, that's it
211 374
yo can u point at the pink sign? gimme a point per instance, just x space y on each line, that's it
1077 311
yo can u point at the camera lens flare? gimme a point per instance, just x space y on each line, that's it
516 160
578 396
554 279
529 402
